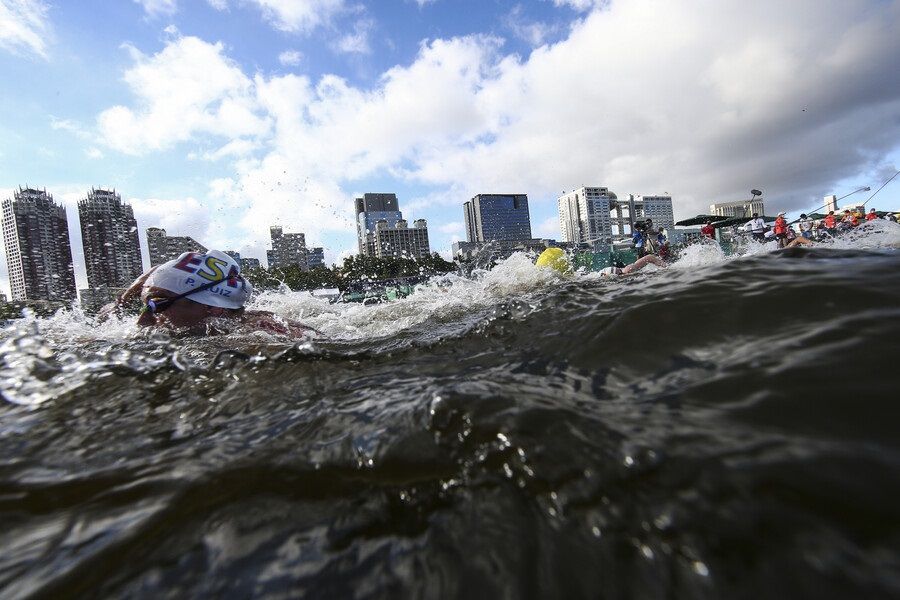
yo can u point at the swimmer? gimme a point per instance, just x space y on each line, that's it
800 240
633 267
193 291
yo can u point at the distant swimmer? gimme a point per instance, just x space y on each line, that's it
196 289
633 267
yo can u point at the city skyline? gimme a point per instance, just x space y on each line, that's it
220 119
108 227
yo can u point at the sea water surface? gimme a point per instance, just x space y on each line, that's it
723 428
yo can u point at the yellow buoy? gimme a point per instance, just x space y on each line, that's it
556 259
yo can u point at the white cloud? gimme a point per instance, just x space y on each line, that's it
290 58
533 32
358 41
94 153
643 97
219 5
156 8
299 16
188 88
580 5
24 27
422 3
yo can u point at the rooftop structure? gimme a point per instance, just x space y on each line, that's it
38 254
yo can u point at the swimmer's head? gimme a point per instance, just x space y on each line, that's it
185 291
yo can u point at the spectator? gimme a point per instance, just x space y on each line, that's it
757 228
780 230
871 216
830 223
708 230
806 226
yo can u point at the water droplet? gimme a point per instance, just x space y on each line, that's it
596 531
700 568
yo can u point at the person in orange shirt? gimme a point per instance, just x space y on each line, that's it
830 223
780 230
871 216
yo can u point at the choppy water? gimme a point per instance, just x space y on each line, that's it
726 428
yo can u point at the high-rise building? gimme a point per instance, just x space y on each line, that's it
287 249
109 235
741 208
369 210
401 241
584 216
315 258
497 217
38 255
163 248
657 208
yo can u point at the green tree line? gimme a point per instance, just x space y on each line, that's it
356 269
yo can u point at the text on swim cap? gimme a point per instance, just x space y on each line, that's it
214 266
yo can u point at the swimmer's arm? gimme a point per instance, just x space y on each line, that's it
133 291
267 320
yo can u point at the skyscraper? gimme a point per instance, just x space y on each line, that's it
287 249
109 235
584 215
315 257
369 210
163 248
38 255
657 208
497 217
401 241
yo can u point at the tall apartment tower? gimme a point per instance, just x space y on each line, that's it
401 241
369 210
584 215
109 235
497 217
287 249
657 208
38 255
163 248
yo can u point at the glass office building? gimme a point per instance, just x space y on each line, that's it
491 217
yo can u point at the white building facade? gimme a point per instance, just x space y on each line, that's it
741 208
584 215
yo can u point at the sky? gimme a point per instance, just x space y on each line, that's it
220 118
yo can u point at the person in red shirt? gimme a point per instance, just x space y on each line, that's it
780 230
830 223
871 216
708 230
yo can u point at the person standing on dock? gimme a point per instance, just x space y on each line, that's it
780 230
830 224
758 228
871 215
806 226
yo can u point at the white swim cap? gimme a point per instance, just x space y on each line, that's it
193 269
